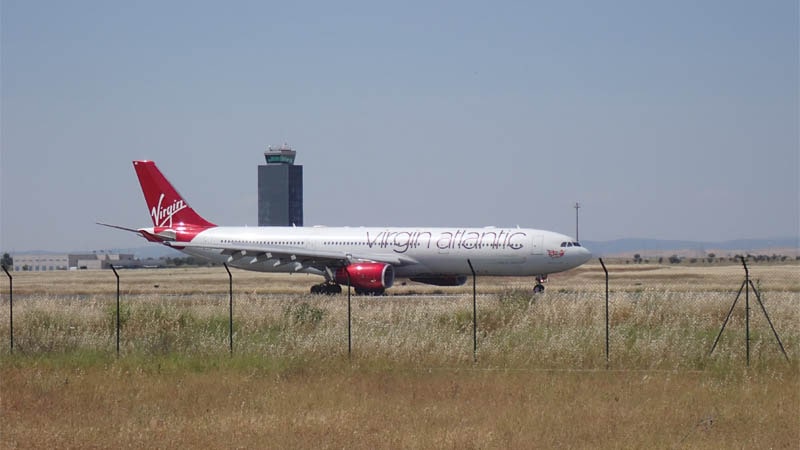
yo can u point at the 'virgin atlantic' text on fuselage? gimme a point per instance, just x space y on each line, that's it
401 241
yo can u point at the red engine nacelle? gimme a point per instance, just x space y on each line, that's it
367 276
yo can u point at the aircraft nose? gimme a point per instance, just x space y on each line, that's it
585 255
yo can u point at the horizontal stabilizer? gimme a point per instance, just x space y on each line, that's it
132 230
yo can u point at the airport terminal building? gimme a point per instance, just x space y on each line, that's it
73 261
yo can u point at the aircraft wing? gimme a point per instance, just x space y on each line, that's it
309 257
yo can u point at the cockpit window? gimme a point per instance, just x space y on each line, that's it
576 244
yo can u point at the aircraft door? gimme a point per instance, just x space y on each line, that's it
537 244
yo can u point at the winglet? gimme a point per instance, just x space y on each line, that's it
167 207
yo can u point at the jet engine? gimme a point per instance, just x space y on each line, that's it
367 276
441 280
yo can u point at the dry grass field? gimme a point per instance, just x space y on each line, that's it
541 378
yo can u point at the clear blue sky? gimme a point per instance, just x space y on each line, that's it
670 119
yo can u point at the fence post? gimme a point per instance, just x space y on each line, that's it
230 307
746 309
606 271
474 315
746 285
113 269
349 320
10 306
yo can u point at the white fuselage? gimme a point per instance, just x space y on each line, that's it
412 251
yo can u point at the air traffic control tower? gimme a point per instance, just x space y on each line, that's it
280 189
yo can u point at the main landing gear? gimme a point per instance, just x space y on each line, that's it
539 288
326 289
330 288
375 292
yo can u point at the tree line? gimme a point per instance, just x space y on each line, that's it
713 258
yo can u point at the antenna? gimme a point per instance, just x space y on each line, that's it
577 207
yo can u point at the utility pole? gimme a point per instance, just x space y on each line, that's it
577 207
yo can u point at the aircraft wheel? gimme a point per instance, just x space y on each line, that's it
326 289
370 292
319 289
539 288
333 289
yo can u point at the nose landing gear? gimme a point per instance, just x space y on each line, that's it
539 288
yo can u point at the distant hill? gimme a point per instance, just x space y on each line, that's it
653 247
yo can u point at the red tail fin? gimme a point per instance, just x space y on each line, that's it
167 207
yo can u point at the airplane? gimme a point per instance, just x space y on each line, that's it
367 258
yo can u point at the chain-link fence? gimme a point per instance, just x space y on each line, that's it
660 316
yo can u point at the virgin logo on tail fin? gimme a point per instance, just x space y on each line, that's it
162 216
167 207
